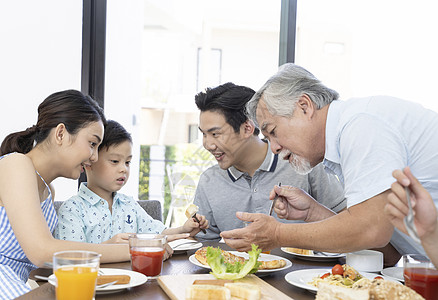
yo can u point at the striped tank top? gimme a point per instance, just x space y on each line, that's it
14 265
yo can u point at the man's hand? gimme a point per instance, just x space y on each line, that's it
262 231
295 204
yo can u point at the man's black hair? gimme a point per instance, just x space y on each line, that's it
229 100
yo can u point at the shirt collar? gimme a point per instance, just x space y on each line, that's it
269 164
92 198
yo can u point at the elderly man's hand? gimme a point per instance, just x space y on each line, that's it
262 231
295 204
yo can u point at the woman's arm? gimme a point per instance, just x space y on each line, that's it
19 195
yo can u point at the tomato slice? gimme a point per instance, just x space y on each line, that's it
378 277
338 270
325 275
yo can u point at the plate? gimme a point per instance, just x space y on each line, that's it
136 279
184 248
394 273
300 278
245 255
314 257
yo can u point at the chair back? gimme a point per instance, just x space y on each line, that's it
152 207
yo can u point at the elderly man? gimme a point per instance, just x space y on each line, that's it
246 169
361 141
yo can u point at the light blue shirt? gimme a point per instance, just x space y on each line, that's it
368 138
86 218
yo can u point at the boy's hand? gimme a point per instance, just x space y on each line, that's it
193 227
120 238
168 251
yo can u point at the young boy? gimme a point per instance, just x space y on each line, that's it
98 213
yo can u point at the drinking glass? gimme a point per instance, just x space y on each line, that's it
420 275
147 252
76 274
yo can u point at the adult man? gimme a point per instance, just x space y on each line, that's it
247 170
361 141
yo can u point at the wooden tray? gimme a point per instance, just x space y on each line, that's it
175 285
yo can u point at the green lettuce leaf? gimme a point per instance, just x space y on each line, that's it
224 270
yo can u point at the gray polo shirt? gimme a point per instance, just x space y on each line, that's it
221 193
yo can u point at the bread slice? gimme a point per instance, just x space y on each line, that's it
191 210
300 251
244 291
333 292
207 292
377 289
384 289
220 282
121 279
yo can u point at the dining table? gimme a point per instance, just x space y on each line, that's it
179 264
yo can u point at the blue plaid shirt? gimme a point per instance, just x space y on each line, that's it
86 218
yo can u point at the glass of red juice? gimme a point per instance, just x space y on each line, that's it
421 275
147 252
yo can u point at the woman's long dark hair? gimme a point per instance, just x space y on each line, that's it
72 108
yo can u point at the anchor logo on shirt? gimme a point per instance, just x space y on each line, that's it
129 221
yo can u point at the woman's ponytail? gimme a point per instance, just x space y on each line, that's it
21 141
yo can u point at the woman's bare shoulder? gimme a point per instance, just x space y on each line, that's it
15 166
15 160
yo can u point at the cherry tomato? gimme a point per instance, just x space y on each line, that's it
325 275
378 277
338 270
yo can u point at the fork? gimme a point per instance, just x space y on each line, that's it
185 243
409 219
273 202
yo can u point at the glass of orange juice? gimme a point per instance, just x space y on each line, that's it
147 253
76 274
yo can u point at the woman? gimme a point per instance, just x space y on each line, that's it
67 135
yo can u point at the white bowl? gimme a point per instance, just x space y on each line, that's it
365 260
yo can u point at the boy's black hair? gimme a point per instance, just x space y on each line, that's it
114 134
228 99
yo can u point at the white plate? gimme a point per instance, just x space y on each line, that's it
136 279
183 248
301 278
314 257
394 273
245 255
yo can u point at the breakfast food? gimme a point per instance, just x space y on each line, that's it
220 282
207 292
245 291
378 289
121 279
212 289
300 251
201 256
384 289
191 210
344 275
327 291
